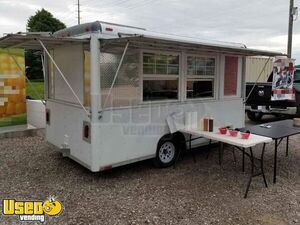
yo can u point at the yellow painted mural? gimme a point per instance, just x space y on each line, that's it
87 77
12 88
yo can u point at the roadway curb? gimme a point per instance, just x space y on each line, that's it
23 133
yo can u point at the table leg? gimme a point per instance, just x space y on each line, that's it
221 149
287 147
208 153
252 173
275 161
190 148
177 158
234 157
243 161
179 154
262 164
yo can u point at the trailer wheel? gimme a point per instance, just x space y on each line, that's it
254 116
166 154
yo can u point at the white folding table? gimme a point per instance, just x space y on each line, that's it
239 143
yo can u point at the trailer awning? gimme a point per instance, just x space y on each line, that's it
155 43
30 41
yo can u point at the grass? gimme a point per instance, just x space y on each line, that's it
35 89
13 120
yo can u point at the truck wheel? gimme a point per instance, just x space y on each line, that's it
166 154
254 116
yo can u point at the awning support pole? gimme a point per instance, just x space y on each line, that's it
257 80
64 78
95 82
116 74
43 65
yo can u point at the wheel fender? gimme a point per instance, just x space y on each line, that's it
179 142
177 137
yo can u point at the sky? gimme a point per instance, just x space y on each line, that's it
261 24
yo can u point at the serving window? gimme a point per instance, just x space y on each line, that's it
70 60
200 76
160 76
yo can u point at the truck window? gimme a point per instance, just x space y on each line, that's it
297 76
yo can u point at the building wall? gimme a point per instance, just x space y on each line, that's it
254 66
12 88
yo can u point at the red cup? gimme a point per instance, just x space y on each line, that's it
233 133
223 130
245 135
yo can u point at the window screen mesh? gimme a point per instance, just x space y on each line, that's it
125 91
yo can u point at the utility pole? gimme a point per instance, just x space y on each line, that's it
78 11
290 31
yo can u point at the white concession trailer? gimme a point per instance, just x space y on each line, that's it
109 89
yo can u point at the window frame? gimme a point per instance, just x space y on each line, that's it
213 78
159 76
160 53
50 76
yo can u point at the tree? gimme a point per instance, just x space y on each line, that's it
42 21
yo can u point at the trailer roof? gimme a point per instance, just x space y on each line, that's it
113 30
118 30
29 41
162 43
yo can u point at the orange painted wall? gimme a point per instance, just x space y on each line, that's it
12 83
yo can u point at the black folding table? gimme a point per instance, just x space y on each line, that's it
278 131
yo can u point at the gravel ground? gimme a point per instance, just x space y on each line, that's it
192 193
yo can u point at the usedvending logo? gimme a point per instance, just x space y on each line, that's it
32 210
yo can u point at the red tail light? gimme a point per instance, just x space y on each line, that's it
109 167
293 95
109 29
48 116
86 131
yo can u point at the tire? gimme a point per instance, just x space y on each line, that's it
254 116
166 153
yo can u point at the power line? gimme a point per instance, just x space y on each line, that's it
124 4
142 4
68 15
93 4
78 11
105 3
